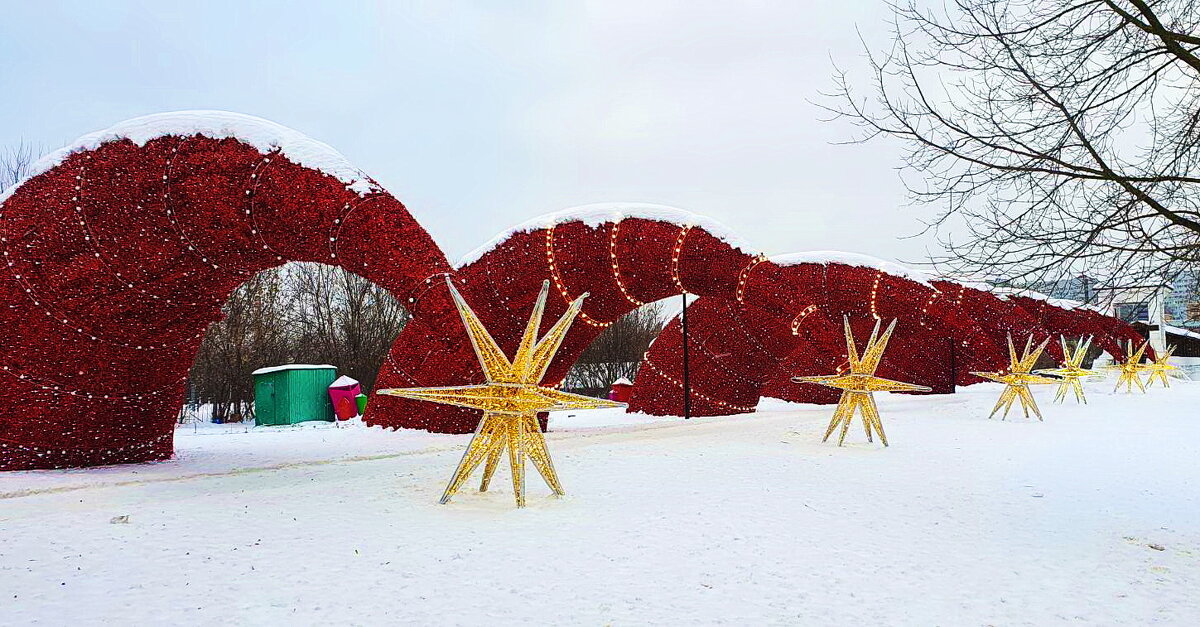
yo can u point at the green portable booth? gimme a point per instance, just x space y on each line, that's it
285 395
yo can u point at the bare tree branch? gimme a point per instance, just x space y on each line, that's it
1057 137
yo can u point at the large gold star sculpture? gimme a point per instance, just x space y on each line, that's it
1130 368
1071 370
510 400
859 385
1018 378
1159 368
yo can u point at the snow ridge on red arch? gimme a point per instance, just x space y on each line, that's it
264 135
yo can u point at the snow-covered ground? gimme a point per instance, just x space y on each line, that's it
1092 516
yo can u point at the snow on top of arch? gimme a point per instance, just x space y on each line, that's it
1062 303
262 134
826 257
597 214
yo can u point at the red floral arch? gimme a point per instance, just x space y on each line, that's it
122 249
625 255
120 253
740 353
937 344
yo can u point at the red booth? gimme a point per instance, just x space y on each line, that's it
622 390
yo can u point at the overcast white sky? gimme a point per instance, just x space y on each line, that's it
481 115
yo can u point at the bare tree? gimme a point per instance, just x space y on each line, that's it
344 320
297 313
617 352
1055 136
16 162
251 335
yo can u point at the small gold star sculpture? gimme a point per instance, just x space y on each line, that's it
1159 368
1071 370
1130 368
859 385
1018 379
510 400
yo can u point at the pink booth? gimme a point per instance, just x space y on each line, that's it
622 390
342 392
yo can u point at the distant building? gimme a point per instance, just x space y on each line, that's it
1169 314
1181 307
1081 288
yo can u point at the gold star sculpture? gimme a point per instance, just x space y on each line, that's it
1018 378
510 400
1159 368
1071 370
859 385
1130 368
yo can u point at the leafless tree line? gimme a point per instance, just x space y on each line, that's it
297 313
617 352
250 336
1056 137
313 313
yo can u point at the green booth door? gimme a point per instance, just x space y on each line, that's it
293 393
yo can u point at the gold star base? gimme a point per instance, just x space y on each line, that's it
522 437
1070 383
1016 392
1129 379
848 404
1158 375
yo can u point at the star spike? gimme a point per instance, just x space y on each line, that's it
876 345
510 399
529 338
496 366
851 349
545 349
859 385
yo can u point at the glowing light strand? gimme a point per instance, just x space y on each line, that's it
679 384
562 289
616 266
676 253
875 294
251 194
744 276
800 317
